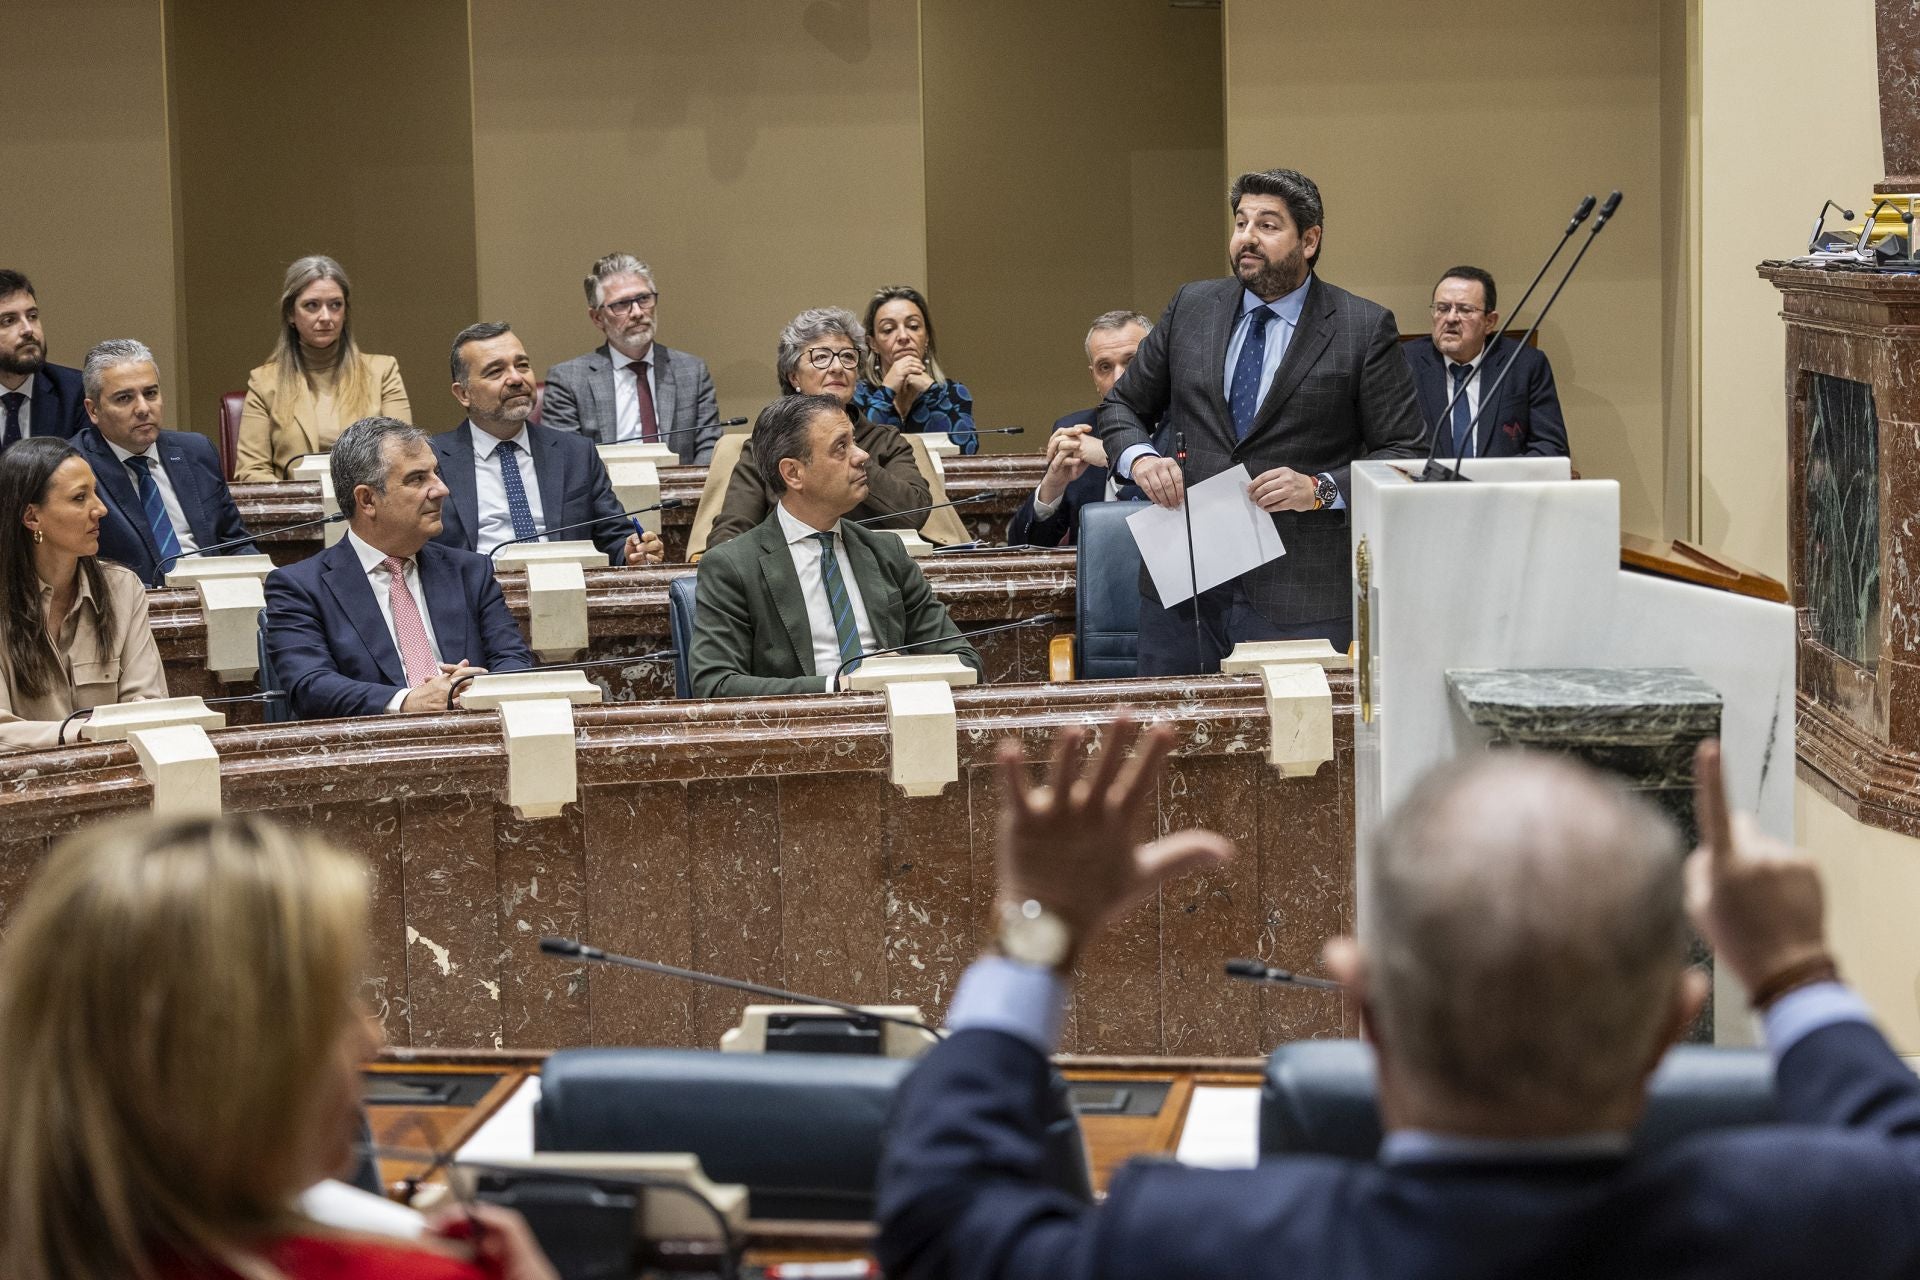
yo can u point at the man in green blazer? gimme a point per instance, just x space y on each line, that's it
784 605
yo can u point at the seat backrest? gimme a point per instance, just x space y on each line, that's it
232 405
1106 629
726 456
1318 1097
943 527
680 615
803 1131
273 710
539 401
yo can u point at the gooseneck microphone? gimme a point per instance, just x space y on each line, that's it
573 948
985 495
1254 971
665 504
1186 507
1433 469
231 543
847 664
1491 395
1820 225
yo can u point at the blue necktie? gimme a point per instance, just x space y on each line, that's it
156 510
1462 414
12 400
837 600
1243 397
517 509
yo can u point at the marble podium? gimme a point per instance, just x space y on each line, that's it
1520 568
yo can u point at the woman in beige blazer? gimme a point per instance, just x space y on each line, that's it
317 382
75 628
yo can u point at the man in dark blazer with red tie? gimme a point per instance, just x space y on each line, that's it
1466 347
1295 378
1520 968
36 398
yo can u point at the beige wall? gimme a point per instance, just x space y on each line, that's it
1786 122
761 158
353 139
1872 880
1381 103
88 188
1074 166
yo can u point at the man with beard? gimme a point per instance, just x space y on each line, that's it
1281 371
507 479
36 398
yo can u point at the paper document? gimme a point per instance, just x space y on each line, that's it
1222 1129
508 1132
1231 536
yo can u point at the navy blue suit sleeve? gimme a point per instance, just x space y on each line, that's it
961 1183
1547 429
506 649
1848 1075
303 659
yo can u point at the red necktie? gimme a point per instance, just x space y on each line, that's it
649 424
416 651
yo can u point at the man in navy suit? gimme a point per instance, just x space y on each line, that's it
1520 968
1467 347
556 480
387 619
1077 471
163 490
36 398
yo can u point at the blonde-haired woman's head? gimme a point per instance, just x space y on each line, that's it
177 1002
316 331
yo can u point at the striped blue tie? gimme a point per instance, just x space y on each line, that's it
164 537
837 599
1243 398
517 509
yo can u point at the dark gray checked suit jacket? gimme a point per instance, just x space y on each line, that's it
1341 393
579 397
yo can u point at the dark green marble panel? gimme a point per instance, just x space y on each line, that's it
1842 569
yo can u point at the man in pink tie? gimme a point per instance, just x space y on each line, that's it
386 620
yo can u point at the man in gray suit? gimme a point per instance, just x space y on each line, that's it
632 388
1277 369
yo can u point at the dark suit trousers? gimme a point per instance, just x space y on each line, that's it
1227 617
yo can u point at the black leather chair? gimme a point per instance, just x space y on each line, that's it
680 606
273 710
803 1131
1318 1098
1106 629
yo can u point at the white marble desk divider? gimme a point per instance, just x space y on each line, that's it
536 718
232 595
556 592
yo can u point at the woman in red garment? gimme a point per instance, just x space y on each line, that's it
182 1052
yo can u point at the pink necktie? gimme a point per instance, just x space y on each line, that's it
649 424
416 651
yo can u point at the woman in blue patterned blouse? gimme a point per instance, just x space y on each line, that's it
903 384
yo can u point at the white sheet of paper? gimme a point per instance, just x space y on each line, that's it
1222 1129
1231 536
508 1132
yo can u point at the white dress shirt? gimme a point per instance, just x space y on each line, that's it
626 400
803 544
26 406
372 560
176 514
490 491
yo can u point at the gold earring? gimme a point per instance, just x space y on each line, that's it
39 536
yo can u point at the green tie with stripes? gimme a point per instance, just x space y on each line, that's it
838 600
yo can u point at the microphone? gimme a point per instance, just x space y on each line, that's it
658 655
1433 469
724 423
1254 971
1819 225
983 496
575 949
1037 620
999 431
1193 572
665 504
1491 394
230 543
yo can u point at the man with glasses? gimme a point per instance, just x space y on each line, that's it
1467 348
633 388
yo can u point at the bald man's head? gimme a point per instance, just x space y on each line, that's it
1524 933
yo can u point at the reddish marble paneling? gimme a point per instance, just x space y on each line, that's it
833 885
541 867
452 920
930 898
1306 890
734 853
20 861
1209 917
372 831
640 904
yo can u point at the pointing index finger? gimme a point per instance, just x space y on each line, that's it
1710 802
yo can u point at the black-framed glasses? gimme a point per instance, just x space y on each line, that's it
827 357
1461 309
627 305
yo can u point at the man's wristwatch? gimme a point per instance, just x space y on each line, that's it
1325 492
1031 934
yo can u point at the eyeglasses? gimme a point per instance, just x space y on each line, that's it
625 306
1461 309
827 357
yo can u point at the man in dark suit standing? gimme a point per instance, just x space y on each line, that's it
508 479
1467 347
386 619
36 398
633 388
797 597
164 491
1520 968
1077 471
1281 371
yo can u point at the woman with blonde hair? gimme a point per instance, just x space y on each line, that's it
317 380
183 1053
